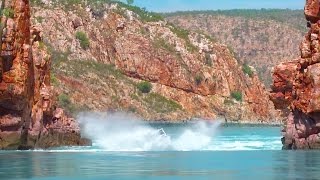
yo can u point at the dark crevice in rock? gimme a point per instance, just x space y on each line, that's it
7 62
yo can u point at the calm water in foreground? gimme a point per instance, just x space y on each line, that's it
187 152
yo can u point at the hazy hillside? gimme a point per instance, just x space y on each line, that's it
261 38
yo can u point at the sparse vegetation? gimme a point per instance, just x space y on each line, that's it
64 100
231 50
163 44
135 97
35 2
39 19
69 3
160 43
80 68
83 38
53 79
143 31
281 15
233 53
247 70
198 79
161 104
183 34
210 37
228 102
96 76
207 59
8 12
41 45
144 15
237 95
144 87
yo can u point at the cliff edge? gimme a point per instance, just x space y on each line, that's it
28 116
296 88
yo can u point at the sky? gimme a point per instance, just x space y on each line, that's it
182 5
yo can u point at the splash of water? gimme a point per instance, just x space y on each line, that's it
121 132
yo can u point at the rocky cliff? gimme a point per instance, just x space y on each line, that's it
28 116
296 86
103 53
261 38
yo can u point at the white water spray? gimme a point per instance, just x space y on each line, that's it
123 132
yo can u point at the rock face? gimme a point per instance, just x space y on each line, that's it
311 10
28 116
192 76
296 88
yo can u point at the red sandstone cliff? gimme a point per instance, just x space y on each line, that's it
192 76
28 117
296 88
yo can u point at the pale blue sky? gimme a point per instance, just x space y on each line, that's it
179 5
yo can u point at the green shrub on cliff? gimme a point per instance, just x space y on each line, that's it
54 80
237 95
8 12
144 87
198 79
64 100
70 108
84 40
247 70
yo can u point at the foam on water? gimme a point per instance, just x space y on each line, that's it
120 132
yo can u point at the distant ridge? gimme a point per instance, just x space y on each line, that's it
260 37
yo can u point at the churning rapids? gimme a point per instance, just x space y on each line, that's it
121 132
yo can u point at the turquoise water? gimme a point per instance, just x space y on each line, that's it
223 153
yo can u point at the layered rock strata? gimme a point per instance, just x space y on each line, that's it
296 88
191 75
28 116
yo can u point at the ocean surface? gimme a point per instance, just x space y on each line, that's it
181 151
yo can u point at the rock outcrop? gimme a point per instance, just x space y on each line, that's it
28 116
192 76
296 88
